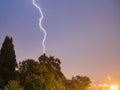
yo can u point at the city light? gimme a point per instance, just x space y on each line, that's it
108 84
113 87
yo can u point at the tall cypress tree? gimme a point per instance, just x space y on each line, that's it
7 59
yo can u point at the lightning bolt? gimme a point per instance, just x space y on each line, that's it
40 24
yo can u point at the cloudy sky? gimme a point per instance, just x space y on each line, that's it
83 34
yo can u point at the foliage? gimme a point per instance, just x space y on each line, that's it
7 61
13 85
83 82
71 85
7 55
78 83
30 74
37 77
52 64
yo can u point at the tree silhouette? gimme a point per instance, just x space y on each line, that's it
7 59
51 62
53 65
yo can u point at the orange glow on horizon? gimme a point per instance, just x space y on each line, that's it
110 87
114 87
106 85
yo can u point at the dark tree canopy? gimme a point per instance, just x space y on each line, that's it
7 59
34 76
51 62
53 65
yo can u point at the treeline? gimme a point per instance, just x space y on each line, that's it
42 74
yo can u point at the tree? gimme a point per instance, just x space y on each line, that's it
13 85
7 55
52 64
7 60
30 74
83 82
34 76
71 85
78 83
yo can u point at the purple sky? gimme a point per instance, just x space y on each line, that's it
84 34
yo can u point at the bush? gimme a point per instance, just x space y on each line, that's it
13 85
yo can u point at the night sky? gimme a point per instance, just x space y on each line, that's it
83 34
